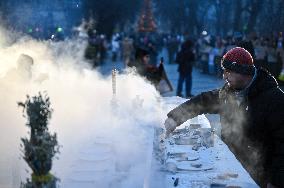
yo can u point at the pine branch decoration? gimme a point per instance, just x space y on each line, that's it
41 147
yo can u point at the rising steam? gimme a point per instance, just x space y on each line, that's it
81 99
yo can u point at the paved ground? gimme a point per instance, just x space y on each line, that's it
200 82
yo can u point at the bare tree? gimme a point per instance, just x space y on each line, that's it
255 9
237 14
109 13
193 25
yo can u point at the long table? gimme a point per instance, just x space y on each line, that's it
220 166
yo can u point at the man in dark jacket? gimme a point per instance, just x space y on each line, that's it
251 107
185 59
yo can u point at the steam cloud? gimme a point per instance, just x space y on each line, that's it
81 99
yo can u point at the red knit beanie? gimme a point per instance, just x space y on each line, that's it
238 60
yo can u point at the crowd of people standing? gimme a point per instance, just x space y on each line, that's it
267 52
203 52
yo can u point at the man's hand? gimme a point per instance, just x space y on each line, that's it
170 126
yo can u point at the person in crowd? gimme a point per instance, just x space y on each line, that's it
127 50
185 60
144 68
230 44
91 51
218 51
251 107
280 52
272 58
114 48
204 51
23 71
260 51
172 47
153 52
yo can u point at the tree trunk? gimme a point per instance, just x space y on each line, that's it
193 25
237 15
256 6
280 21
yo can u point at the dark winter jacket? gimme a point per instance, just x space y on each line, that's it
185 59
152 73
252 129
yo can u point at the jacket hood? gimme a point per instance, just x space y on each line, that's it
263 82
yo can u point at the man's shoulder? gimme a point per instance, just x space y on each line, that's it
264 85
272 99
276 94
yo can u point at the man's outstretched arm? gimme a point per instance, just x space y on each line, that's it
206 102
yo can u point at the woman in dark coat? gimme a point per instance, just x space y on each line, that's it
143 68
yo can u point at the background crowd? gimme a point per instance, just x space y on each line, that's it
206 49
